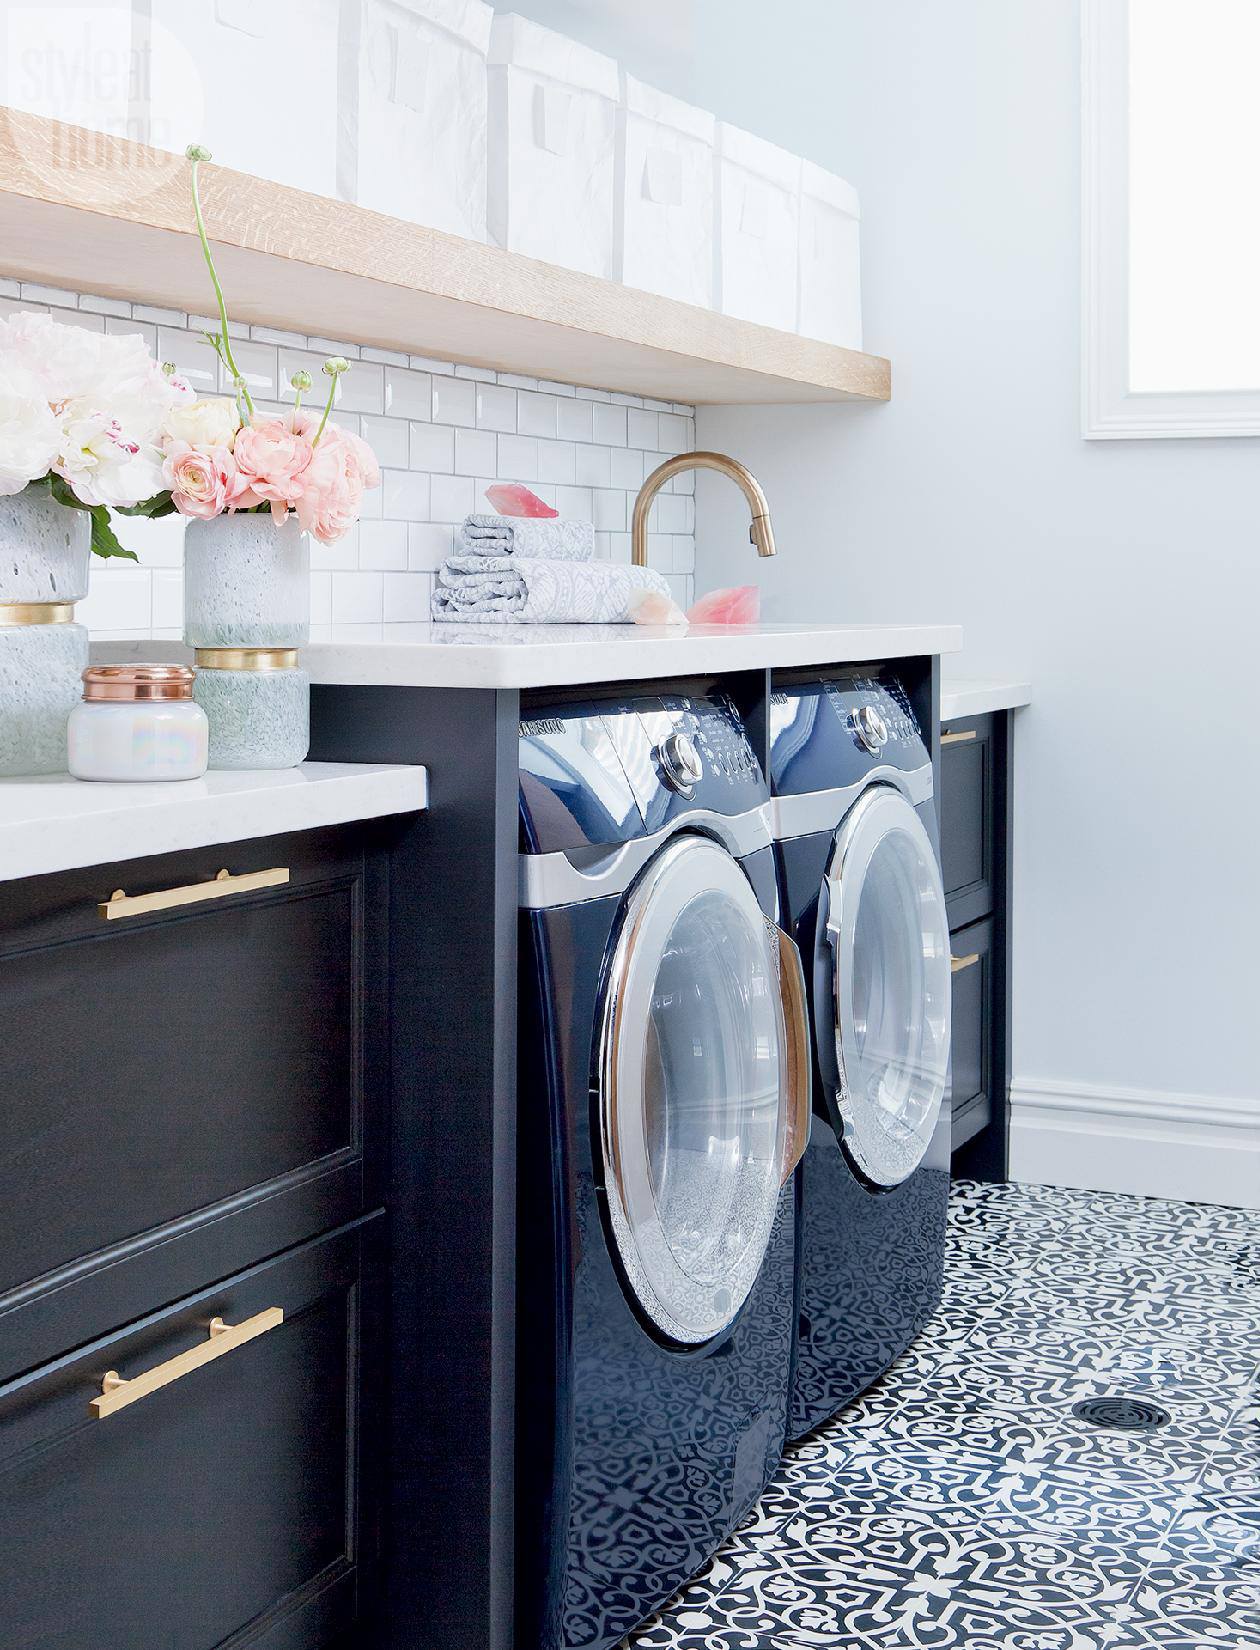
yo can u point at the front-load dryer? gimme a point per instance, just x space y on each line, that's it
663 1104
857 840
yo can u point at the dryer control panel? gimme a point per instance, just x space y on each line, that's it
831 733
605 772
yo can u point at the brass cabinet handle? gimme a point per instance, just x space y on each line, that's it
957 964
796 1021
121 904
116 1393
959 738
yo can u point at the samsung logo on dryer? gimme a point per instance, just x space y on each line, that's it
539 729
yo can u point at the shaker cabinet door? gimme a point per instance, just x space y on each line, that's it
221 1500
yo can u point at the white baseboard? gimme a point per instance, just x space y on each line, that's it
1203 1148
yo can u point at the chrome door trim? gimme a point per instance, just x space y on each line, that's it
814 812
550 880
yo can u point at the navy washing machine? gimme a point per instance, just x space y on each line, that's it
663 1076
859 860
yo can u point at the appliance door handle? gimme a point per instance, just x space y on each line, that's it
796 1038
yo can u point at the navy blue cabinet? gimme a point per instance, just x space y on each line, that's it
975 792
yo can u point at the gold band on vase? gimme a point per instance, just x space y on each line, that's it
36 613
247 658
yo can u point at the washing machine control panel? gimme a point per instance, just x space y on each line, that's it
831 732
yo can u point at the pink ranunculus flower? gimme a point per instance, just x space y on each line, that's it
342 466
205 484
273 459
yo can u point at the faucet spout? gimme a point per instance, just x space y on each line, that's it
761 531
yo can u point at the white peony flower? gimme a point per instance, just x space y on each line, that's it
106 396
29 434
211 422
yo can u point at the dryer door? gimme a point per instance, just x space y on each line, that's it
887 954
704 1086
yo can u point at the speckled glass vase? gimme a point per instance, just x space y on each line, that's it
247 582
45 551
259 715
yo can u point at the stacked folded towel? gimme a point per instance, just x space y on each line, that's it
535 571
552 537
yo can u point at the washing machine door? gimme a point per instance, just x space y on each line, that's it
886 956
703 1087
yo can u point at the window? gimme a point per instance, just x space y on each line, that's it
1171 217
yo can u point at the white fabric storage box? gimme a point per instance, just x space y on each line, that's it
830 260
664 207
758 200
415 143
254 80
553 129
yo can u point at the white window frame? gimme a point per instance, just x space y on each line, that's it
1110 410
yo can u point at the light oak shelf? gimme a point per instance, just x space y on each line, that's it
102 214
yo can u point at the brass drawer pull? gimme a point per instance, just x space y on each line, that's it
121 904
959 738
116 1393
957 964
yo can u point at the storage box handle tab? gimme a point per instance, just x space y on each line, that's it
121 904
116 1393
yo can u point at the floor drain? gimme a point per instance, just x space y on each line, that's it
1122 1414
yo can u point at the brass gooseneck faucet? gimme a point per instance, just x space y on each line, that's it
761 532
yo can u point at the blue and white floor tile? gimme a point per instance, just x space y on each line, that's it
959 1503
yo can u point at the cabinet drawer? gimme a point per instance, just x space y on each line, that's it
184 1089
967 801
972 1055
227 1502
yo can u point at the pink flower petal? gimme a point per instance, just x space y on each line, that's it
741 604
511 499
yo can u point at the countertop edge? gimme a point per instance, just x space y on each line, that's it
115 823
980 696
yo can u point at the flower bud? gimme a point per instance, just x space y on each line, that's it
168 369
197 151
336 364
301 380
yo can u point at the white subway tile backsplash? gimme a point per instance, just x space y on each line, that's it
432 447
408 393
454 401
453 498
358 598
609 425
441 435
496 408
383 544
476 452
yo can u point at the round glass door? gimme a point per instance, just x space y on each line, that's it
888 937
695 1057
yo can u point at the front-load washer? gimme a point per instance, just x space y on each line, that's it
663 1103
857 840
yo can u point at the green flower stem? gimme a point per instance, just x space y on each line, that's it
195 156
334 367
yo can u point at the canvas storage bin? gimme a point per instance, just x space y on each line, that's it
254 80
553 130
830 261
413 140
758 208
664 203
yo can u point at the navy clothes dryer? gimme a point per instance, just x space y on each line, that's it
663 1090
859 860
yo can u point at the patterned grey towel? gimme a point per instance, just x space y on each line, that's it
548 536
533 590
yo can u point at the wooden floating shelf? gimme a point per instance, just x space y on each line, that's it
101 214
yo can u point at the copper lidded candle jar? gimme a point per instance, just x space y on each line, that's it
138 722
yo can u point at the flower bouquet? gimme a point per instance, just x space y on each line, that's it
82 418
254 485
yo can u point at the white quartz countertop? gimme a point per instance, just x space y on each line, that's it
58 823
531 656
963 696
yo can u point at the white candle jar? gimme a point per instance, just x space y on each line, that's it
247 582
138 723
259 706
